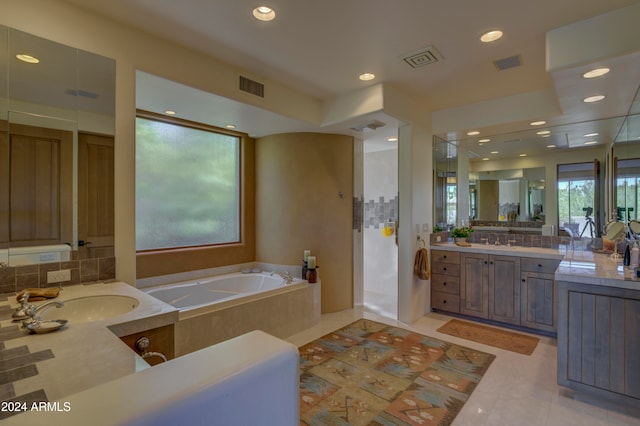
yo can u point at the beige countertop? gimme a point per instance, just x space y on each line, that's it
580 266
89 354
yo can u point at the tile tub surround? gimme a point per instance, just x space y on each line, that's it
81 351
281 315
86 265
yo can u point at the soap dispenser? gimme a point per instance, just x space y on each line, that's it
626 260
635 255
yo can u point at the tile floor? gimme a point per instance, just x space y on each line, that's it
516 390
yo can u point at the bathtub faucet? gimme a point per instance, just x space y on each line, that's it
286 276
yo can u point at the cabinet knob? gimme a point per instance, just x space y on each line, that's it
444 269
539 265
444 284
444 302
485 262
524 281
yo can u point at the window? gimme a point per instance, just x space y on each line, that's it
187 185
577 198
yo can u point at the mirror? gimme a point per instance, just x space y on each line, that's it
56 148
445 165
515 195
626 166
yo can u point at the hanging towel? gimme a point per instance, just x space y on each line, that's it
421 265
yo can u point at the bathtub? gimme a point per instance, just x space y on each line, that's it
217 308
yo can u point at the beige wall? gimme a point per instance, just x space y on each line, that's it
299 178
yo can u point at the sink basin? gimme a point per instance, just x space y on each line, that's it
91 308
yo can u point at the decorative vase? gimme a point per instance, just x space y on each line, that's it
460 239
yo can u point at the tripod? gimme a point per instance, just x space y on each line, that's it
590 224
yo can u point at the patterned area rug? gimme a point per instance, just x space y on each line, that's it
369 373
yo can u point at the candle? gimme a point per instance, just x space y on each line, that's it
306 254
311 262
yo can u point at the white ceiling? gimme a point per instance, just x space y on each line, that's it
319 48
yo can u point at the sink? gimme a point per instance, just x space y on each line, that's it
91 308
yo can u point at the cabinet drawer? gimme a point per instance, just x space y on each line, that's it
445 256
545 266
445 301
451 269
445 284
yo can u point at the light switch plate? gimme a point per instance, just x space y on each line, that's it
59 276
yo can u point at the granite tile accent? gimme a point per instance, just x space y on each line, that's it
13 352
16 374
7 392
10 332
28 398
17 362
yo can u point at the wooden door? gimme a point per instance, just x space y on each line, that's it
95 190
504 289
474 288
539 301
40 188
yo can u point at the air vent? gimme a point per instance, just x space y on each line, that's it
251 86
82 93
365 127
422 57
506 63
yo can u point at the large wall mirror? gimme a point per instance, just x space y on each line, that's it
626 167
445 182
57 123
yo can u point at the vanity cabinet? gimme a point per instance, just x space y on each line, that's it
599 341
490 287
445 281
508 289
539 294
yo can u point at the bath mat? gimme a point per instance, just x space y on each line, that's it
369 373
492 336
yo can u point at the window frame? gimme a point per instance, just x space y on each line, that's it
162 261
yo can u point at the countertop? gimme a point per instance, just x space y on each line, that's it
580 266
89 354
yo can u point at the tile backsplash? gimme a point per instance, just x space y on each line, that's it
86 265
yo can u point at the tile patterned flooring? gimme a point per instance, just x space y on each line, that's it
517 390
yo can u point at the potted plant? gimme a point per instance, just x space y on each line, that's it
462 233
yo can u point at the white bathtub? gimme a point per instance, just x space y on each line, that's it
207 291
216 308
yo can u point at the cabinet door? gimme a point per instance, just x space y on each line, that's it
474 284
539 306
504 289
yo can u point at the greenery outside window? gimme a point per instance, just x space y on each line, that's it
577 185
187 184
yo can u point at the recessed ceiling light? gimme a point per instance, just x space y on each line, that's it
169 112
543 132
230 126
449 156
473 133
546 136
538 123
392 139
523 155
595 98
484 140
551 146
28 58
264 13
598 72
490 36
366 76
591 142
485 159
590 135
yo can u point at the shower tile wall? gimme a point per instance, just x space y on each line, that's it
380 252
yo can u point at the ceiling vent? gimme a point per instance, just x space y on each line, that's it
368 126
425 56
82 93
250 86
506 63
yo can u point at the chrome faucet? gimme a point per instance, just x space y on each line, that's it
34 311
21 312
286 276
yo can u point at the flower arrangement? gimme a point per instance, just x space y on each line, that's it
464 232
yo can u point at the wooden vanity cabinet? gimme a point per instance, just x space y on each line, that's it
474 285
445 280
539 294
599 341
